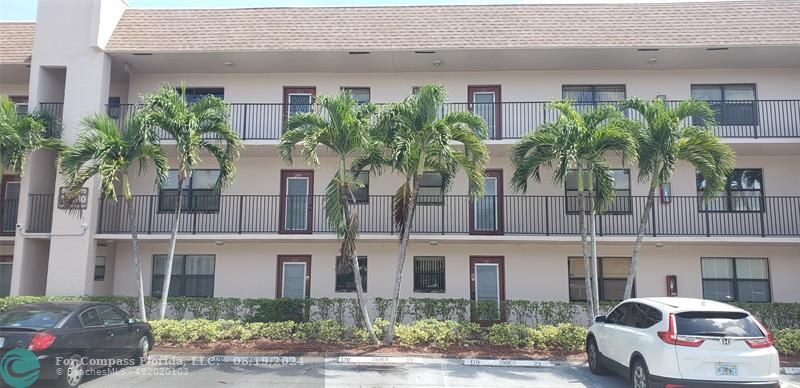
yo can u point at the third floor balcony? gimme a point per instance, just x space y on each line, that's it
512 120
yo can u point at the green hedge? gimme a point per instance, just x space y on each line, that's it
775 316
787 341
426 333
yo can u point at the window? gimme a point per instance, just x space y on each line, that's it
100 269
199 195
642 316
431 190
89 318
744 192
428 274
195 94
361 95
111 316
733 104
192 275
592 95
622 203
345 276
617 316
113 107
612 272
735 279
361 194
6 265
20 104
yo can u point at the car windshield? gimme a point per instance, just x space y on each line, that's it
720 324
33 317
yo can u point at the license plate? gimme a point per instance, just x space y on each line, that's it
724 369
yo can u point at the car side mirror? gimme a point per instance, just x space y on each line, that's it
600 319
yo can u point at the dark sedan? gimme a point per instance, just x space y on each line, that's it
70 340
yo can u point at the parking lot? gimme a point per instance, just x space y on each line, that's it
318 372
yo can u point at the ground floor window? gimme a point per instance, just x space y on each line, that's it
345 276
736 279
612 276
6 263
192 275
100 269
428 274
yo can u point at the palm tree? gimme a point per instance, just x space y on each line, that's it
579 144
343 128
418 140
663 142
112 153
195 127
20 135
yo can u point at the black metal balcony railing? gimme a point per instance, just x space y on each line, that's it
8 216
56 112
512 120
517 215
40 213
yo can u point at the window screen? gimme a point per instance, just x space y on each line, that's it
192 275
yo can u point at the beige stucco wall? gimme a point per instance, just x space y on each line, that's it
516 85
536 271
13 89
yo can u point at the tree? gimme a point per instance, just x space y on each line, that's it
664 141
418 141
343 128
21 135
112 154
195 128
577 143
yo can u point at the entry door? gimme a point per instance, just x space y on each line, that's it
485 102
294 277
297 206
487 211
9 195
487 287
297 100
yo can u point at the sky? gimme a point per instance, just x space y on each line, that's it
25 10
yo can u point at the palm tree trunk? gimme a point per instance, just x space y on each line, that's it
401 259
362 301
136 254
637 246
585 249
593 227
162 311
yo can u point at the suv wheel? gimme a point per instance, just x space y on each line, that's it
640 376
593 357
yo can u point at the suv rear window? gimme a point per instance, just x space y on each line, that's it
34 318
722 324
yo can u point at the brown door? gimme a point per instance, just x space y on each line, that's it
486 213
485 101
487 287
297 99
297 201
9 201
293 277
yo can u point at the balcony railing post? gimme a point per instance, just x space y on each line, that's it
100 216
708 223
653 217
547 215
244 123
241 211
149 215
763 209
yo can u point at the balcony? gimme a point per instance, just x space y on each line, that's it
512 120
508 215
40 213
8 215
55 111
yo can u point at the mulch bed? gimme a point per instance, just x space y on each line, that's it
276 348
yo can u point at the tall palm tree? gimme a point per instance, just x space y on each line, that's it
418 140
195 128
343 128
577 143
20 135
113 154
664 141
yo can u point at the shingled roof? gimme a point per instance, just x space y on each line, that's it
683 24
16 42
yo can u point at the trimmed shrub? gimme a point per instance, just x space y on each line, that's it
437 334
787 341
514 335
279 310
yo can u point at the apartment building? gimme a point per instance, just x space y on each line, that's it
266 236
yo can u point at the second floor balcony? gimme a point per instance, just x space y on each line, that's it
513 120
452 214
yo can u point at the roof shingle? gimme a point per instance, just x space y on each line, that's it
16 42
686 24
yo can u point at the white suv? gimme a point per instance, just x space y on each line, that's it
682 342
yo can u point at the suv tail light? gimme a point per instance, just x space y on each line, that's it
671 336
765 342
41 341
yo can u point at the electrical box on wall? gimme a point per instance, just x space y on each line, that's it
672 285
